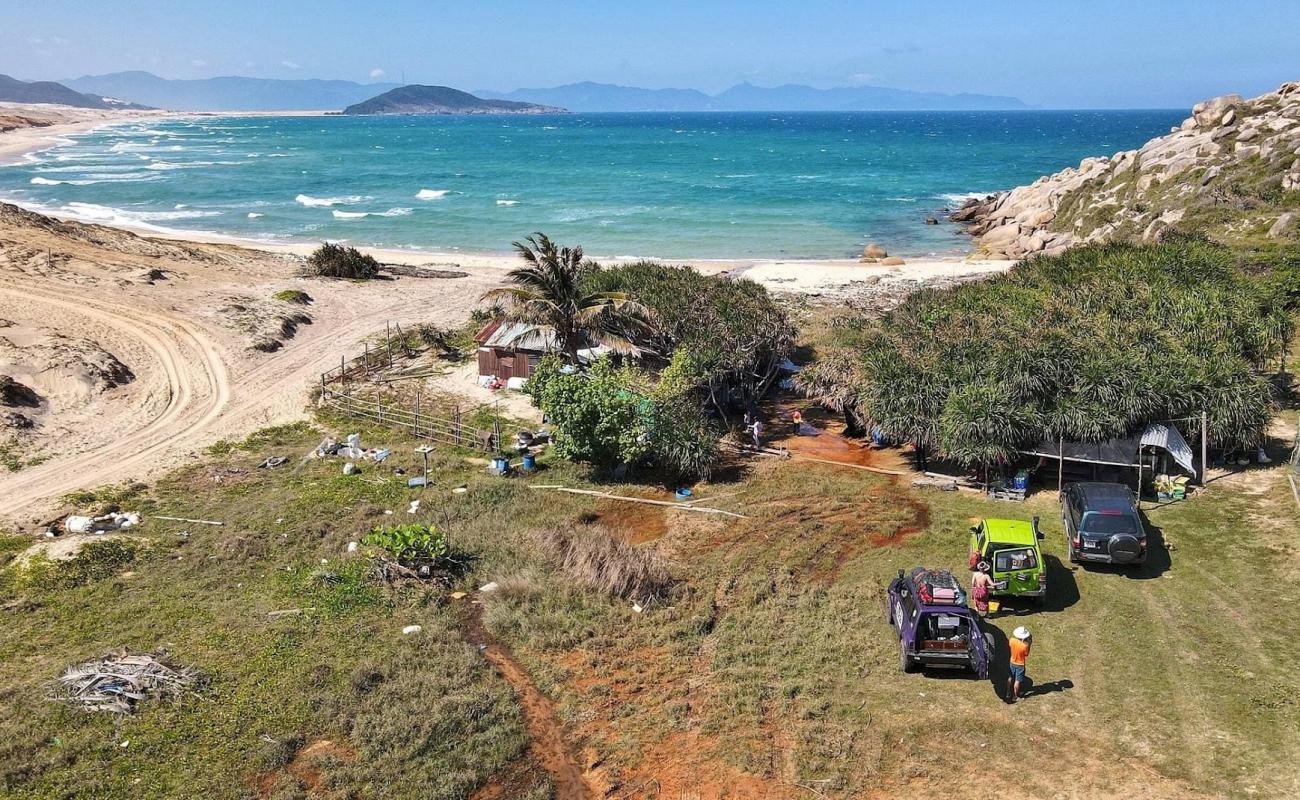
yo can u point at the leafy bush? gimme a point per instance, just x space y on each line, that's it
411 544
1091 344
611 415
734 331
339 261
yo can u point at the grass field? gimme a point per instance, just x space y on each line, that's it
767 671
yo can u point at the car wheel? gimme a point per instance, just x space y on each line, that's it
1124 549
904 661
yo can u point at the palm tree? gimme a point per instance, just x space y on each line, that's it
548 296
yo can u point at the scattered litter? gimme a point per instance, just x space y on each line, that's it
273 461
489 587
279 520
324 561
125 743
460 490
415 506
457 595
637 608
350 469
352 547
388 512
108 522
410 629
351 449
119 681
195 521
416 483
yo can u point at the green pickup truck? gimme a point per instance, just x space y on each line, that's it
1011 547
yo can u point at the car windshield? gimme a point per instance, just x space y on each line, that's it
1109 524
1014 560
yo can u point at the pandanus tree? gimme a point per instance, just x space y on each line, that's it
547 294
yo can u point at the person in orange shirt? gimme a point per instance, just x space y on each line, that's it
1021 643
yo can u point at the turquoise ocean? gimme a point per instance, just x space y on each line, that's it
736 185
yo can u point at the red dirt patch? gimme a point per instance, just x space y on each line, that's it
305 766
636 523
546 735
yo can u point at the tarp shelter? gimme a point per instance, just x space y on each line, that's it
1121 452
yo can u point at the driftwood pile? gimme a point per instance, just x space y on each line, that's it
119 681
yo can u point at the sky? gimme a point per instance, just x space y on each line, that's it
1064 54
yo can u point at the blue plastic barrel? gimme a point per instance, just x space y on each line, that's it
530 462
1021 481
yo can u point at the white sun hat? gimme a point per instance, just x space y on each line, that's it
1021 633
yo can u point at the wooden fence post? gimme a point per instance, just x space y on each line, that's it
1205 446
456 424
365 355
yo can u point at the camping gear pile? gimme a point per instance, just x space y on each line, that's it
1171 487
119 681
937 587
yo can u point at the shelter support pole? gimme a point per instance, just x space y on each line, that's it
1205 446
1139 490
1060 464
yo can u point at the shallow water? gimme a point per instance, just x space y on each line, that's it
669 185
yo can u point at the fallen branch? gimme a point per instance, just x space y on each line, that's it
194 521
120 680
665 503
1295 492
863 467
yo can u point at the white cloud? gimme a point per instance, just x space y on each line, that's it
291 64
376 73
861 78
198 62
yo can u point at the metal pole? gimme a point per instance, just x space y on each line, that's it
322 387
1060 464
417 414
365 353
1205 446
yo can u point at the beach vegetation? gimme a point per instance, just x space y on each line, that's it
1087 345
612 415
733 332
340 261
548 294
294 296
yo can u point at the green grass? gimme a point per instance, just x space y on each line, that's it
295 296
770 657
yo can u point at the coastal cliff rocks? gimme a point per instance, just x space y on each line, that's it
1231 171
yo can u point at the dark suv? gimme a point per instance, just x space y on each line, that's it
935 628
1102 524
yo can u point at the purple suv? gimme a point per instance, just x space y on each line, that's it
935 628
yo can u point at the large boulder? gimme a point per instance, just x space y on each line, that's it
874 250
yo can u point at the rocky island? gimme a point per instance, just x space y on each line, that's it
1230 171
417 99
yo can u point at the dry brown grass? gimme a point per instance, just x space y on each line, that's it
594 557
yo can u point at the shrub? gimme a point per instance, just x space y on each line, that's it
339 261
294 296
1091 344
601 561
411 544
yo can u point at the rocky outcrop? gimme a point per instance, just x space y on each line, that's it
1230 171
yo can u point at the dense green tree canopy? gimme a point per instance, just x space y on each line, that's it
1090 344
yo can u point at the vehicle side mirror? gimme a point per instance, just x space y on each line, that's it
974 529
1038 532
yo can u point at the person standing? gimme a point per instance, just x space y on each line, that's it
757 428
981 588
796 419
1021 643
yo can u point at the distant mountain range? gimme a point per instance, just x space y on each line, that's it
13 90
589 96
267 94
230 93
441 100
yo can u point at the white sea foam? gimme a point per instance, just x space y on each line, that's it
326 202
957 198
119 216
507 202
392 212
254 215
431 194
93 178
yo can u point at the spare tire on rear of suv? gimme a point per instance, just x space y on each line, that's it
1124 548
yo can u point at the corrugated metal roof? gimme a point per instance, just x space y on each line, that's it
520 336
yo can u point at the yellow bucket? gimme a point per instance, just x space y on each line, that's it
994 605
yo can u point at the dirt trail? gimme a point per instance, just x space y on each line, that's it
197 380
545 732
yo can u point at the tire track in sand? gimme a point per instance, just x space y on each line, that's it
193 374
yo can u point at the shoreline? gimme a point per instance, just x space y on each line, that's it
809 276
